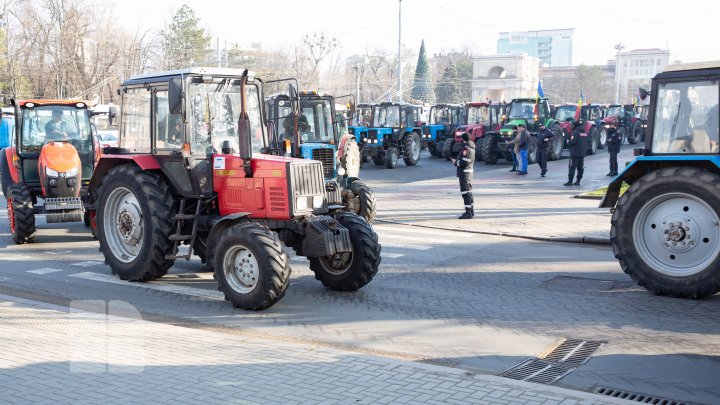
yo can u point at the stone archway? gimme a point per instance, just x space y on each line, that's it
497 72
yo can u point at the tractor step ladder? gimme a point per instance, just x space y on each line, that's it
178 237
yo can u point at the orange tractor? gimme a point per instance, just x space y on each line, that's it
51 157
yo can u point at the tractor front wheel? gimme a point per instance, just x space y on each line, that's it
665 231
478 149
352 270
391 157
251 267
633 135
134 223
602 140
532 150
21 214
367 204
592 138
447 148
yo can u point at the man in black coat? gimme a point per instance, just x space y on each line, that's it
544 138
614 141
464 163
578 149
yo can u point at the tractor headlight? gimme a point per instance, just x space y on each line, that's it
317 201
301 203
340 171
50 172
72 172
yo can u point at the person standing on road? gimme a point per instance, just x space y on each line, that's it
544 137
613 143
521 144
578 149
464 162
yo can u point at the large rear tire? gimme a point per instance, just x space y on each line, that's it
489 150
447 148
378 158
558 144
411 146
532 150
134 223
368 205
593 141
478 148
21 214
251 267
633 134
602 140
665 232
350 271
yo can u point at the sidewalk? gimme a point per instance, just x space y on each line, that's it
53 356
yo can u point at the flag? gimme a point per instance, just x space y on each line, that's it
579 106
540 93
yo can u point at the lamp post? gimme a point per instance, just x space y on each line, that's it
619 47
399 74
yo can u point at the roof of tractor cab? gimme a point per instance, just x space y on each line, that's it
698 69
478 104
194 71
527 99
46 102
447 105
401 104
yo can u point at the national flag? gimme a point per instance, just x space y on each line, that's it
540 93
579 106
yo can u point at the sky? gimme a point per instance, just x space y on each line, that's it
687 29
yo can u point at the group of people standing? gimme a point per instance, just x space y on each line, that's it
578 149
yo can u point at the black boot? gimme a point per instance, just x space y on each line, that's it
610 174
569 183
468 214
577 182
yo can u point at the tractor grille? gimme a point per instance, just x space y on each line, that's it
306 180
372 134
327 157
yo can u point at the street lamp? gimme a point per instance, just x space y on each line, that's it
619 47
399 75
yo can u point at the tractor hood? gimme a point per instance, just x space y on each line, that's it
60 157
511 126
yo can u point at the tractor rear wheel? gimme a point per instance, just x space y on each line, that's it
411 146
367 200
633 136
21 214
532 150
665 234
558 144
447 148
602 139
350 271
391 157
378 158
593 141
251 267
489 150
134 223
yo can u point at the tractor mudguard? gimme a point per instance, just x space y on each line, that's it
107 162
324 236
224 223
644 164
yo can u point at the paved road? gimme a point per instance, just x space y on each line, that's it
476 302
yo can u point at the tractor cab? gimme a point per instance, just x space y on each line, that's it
51 157
638 123
361 120
443 119
481 119
394 133
616 118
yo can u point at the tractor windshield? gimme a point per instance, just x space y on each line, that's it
615 111
440 115
478 115
686 118
522 109
42 124
363 116
214 114
563 113
316 120
386 116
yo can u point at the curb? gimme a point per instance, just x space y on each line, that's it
588 240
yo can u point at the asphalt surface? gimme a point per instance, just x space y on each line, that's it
445 294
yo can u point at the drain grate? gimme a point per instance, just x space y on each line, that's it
554 364
642 398
573 351
538 371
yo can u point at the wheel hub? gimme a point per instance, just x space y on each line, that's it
129 223
245 270
680 234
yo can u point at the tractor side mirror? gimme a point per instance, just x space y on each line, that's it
175 96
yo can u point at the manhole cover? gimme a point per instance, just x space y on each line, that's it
633 396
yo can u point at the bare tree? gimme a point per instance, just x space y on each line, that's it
319 47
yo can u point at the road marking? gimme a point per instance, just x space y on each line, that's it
88 263
405 246
424 231
403 238
152 285
389 255
17 258
57 252
44 270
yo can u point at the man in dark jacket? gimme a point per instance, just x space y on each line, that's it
464 163
578 149
545 136
613 142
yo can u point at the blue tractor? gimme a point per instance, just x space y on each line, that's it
307 128
443 119
665 228
362 117
394 132
6 128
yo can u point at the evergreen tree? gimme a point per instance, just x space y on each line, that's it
448 90
421 91
184 42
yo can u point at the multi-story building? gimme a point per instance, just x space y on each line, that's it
552 47
635 68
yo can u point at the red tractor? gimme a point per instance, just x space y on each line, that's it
51 157
590 115
481 119
190 169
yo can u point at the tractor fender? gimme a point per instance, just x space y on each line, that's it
107 162
8 163
643 165
224 223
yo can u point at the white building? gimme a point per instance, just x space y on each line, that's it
635 68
